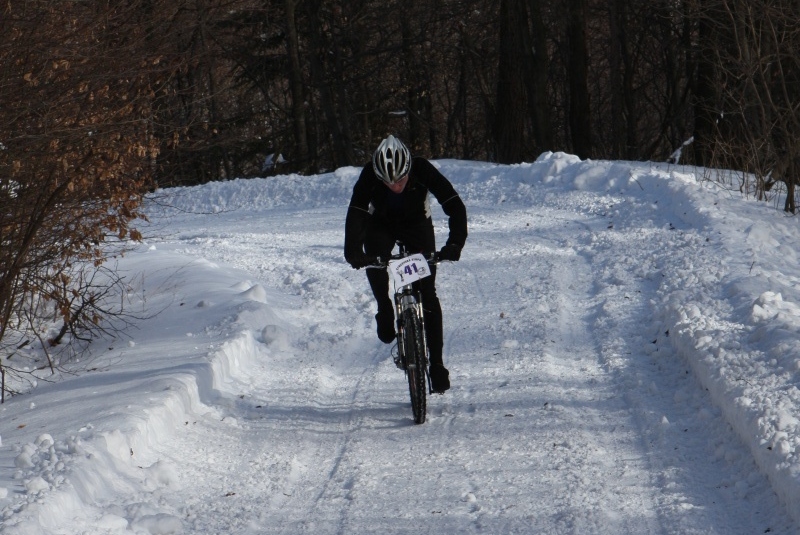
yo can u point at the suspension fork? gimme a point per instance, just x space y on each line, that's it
421 313
404 299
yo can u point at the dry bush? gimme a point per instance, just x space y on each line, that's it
78 82
756 51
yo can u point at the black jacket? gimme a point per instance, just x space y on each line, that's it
372 199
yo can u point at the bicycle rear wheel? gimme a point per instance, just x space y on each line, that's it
415 363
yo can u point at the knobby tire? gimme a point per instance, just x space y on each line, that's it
415 363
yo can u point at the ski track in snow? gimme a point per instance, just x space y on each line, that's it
570 410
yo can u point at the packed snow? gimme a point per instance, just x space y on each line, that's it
622 340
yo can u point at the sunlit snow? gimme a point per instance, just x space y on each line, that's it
622 340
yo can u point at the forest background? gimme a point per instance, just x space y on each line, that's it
103 101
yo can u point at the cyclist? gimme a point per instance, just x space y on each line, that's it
389 203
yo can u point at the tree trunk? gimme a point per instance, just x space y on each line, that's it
617 42
579 109
537 76
418 88
300 150
706 112
511 91
341 148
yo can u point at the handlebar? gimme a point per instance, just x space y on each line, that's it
383 262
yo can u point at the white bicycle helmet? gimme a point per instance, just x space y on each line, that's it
391 160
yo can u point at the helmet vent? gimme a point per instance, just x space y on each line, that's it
392 160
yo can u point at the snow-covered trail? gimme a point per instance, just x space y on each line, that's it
567 414
622 340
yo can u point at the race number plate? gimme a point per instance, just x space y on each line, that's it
409 269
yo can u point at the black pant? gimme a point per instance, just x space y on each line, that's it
379 241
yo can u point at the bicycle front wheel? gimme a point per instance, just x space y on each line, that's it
415 363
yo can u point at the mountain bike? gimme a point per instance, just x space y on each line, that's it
405 269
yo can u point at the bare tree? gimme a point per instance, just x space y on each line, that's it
754 127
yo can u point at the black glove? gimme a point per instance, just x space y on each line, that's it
360 260
450 252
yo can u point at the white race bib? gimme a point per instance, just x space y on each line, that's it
409 269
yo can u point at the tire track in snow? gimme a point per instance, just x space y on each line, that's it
703 478
541 349
337 480
605 454
309 418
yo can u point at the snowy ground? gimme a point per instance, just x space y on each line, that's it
622 340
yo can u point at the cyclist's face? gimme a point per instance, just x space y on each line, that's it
398 186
